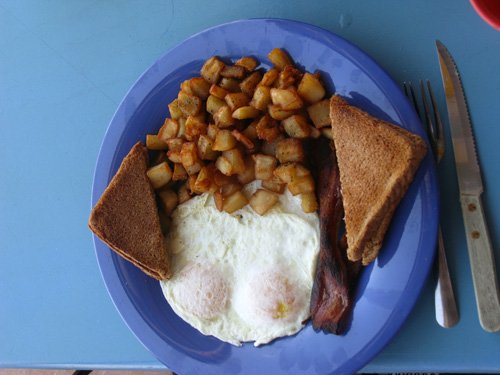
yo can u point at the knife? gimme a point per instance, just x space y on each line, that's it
471 187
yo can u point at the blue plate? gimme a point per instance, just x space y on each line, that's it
388 288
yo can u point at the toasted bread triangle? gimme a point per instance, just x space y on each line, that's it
126 217
377 162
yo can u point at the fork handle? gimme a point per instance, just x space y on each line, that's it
482 263
446 305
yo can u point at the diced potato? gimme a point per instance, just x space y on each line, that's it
233 71
174 144
159 175
179 172
186 87
218 200
212 130
153 142
182 127
261 98
174 156
310 88
211 69
230 84
234 202
301 185
249 84
274 184
224 166
236 100
194 128
327 132
235 157
269 148
189 158
250 131
309 202
246 112
174 110
264 166
289 172
288 77
320 113
221 179
214 104
290 149
168 200
267 129
183 193
243 139
190 105
279 58
168 130
223 117
205 150
204 180
286 99
278 113
218 91
249 63
270 77
224 140
248 175
192 184
200 87
262 201
296 126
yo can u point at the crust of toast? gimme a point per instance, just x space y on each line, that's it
126 217
377 162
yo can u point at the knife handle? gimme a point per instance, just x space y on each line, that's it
482 263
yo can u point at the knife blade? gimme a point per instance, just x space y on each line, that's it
471 187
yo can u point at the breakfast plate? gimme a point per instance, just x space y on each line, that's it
388 288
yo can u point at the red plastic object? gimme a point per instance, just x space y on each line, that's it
489 10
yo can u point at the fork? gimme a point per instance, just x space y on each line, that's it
444 297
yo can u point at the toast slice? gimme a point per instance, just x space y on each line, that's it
126 217
377 162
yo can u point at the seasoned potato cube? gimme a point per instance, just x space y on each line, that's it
311 89
261 98
279 58
249 63
182 127
214 104
235 157
223 117
301 185
168 130
236 100
289 172
190 105
174 144
274 184
224 166
159 175
184 193
248 175
230 84
246 112
267 129
234 202
262 200
320 113
204 180
189 158
174 110
296 126
264 166
251 131
286 99
212 130
229 189
186 87
288 77
218 200
221 179
278 113
270 77
153 142
269 148
243 139
327 132
249 84
290 149
218 91
179 172
200 87
205 150
194 128
233 71
174 156
168 200
211 69
309 202
224 140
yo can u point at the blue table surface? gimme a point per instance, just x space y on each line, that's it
64 68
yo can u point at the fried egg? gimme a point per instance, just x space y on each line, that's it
242 277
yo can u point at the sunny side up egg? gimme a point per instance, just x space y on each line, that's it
242 277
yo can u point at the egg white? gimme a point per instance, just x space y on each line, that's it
242 277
